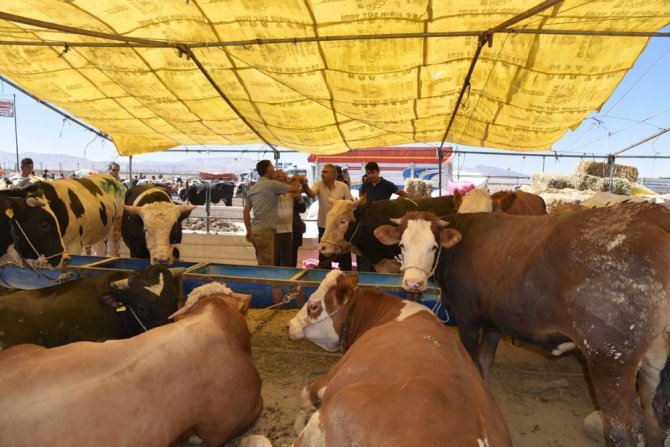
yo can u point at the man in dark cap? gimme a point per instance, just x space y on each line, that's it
26 178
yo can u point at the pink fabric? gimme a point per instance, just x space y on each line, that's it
462 187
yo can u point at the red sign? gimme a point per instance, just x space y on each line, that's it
386 155
6 109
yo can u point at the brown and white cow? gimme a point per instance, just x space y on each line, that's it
598 279
518 202
403 380
193 376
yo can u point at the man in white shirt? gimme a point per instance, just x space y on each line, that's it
329 188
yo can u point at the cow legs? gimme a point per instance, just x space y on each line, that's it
486 353
648 379
114 239
615 393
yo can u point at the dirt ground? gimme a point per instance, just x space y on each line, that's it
544 400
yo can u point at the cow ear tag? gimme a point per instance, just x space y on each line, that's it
121 309
10 213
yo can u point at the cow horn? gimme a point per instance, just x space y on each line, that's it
442 224
176 271
395 220
121 284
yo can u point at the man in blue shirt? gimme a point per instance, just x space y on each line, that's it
376 187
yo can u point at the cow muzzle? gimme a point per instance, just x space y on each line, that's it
414 284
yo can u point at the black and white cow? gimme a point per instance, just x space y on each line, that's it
29 231
109 306
88 211
197 193
152 224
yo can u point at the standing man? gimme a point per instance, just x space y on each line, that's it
376 187
328 188
263 197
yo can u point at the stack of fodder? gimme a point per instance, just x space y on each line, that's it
600 169
542 181
418 189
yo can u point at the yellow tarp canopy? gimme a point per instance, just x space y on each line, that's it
327 88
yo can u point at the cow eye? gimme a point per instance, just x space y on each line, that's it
434 248
45 226
342 222
313 307
401 246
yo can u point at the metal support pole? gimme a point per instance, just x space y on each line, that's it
440 155
16 135
611 160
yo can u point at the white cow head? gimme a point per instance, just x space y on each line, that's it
337 222
159 218
315 320
420 236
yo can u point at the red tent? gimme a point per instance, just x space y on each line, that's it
381 155
229 176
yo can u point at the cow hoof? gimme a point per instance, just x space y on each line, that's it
594 426
300 421
255 441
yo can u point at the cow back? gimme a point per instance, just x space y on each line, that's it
88 209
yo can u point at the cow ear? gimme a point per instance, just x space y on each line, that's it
387 234
449 237
111 302
243 301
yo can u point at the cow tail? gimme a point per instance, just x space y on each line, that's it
661 402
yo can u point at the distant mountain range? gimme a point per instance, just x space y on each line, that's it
70 163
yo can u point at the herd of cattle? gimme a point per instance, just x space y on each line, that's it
596 279
47 222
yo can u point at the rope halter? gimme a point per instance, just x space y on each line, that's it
400 258
41 258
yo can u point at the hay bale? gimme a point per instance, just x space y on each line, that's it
548 180
417 188
601 169
587 182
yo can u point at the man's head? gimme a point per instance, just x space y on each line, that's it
372 171
328 174
114 168
280 176
26 167
265 169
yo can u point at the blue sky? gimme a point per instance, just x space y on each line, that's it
639 107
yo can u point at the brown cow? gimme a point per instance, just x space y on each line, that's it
598 279
195 375
404 380
518 202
